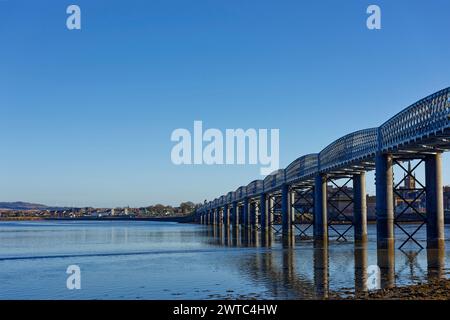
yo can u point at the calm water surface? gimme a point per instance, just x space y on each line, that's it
158 260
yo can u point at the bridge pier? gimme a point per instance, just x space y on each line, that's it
320 208
220 216
241 214
215 214
253 217
264 212
359 207
235 215
270 212
434 201
384 179
245 214
286 210
226 216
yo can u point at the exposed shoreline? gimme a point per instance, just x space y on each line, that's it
435 289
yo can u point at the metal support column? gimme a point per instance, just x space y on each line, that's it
434 201
320 208
263 208
360 206
275 213
245 213
253 218
286 210
226 216
385 201
271 204
235 215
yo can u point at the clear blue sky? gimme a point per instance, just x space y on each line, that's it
86 116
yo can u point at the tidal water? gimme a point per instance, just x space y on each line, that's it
160 260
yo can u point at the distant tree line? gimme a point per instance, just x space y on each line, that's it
160 209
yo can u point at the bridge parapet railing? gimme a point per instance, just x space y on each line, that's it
302 168
222 200
241 193
354 146
274 180
280 178
425 117
254 188
229 197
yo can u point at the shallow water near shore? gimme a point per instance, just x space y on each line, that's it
162 260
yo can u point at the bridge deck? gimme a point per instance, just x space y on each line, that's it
420 129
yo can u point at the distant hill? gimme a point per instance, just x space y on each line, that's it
19 205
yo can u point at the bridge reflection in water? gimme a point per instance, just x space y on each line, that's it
305 269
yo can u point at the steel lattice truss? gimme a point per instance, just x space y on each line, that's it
340 201
303 208
418 193
275 212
